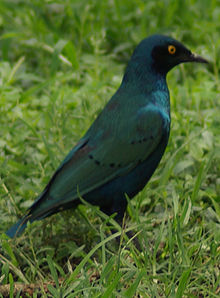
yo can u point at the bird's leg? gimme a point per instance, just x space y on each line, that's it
121 219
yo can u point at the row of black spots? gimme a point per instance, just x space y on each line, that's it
97 162
113 165
141 141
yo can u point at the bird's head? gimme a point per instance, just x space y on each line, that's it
161 53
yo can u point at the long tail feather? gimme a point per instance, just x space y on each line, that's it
17 228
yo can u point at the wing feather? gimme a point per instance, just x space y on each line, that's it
95 164
99 157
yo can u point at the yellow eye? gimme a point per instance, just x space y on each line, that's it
171 49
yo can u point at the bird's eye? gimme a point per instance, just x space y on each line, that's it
171 49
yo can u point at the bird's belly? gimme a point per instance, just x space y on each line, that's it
113 192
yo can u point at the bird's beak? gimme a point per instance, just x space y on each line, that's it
196 58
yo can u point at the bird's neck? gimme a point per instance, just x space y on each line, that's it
142 78
146 84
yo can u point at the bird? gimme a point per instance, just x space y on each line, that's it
124 145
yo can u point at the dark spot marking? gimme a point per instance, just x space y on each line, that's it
112 165
97 162
119 165
139 141
151 137
132 142
90 156
144 139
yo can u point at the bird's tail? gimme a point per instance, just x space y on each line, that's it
18 228
38 212
33 213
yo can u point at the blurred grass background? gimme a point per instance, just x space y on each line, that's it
60 62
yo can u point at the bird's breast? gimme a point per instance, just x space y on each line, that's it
161 100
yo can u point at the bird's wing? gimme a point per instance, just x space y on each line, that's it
91 163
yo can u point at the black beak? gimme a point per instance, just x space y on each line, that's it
196 58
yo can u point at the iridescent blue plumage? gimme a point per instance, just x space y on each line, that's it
123 147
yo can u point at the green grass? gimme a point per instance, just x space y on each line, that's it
60 62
